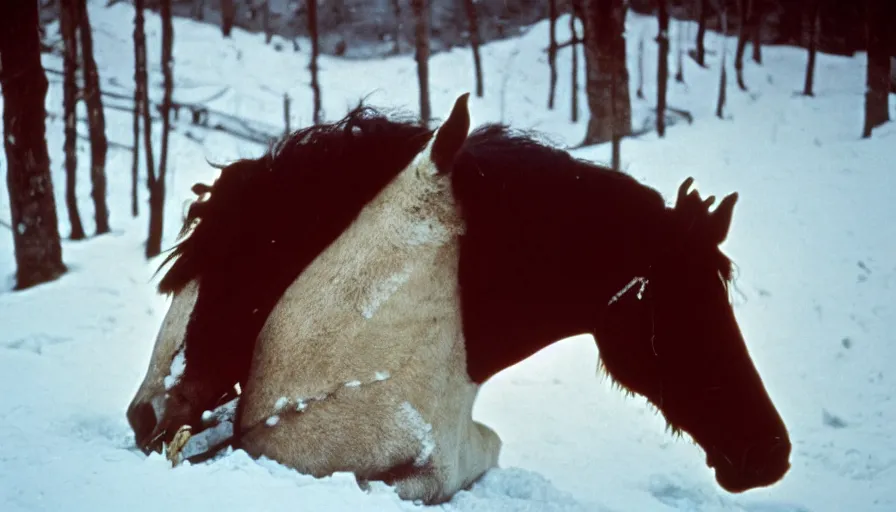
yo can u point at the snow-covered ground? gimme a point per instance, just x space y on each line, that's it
813 238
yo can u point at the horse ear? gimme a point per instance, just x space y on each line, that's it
683 191
451 135
720 220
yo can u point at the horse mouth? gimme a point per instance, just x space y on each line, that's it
760 465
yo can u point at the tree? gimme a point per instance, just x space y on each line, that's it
607 77
396 11
470 7
552 50
266 21
639 93
157 182
879 15
35 227
756 23
743 14
574 107
141 100
700 56
662 67
96 122
812 23
420 9
228 15
679 73
68 14
315 50
723 76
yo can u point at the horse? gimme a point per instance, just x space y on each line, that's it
362 280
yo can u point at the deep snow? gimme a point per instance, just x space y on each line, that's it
812 239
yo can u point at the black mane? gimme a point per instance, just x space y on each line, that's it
266 219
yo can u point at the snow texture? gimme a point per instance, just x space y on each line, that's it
419 428
813 240
176 371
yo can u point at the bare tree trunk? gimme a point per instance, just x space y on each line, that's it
228 15
723 77
141 87
552 50
701 33
97 123
421 55
199 9
266 21
68 24
315 50
474 44
574 107
756 22
813 21
396 11
662 67
743 13
640 92
679 73
35 227
286 129
157 186
879 15
607 86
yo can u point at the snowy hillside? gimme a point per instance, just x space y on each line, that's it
813 239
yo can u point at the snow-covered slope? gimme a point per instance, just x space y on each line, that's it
812 237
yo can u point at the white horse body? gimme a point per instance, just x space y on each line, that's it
361 367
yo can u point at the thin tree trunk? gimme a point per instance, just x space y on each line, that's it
421 55
286 129
266 21
228 15
662 67
640 92
701 33
679 73
199 9
396 11
813 22
157 188
315 50
607 86
34 224
142 90
879 15
68 24
743 13
574 107
552 50
97 123
756 22
723 77
474 44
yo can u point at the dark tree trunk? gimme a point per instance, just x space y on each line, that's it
157 186
701 33
474 44
574 107
141 90
421 54
315 50
35 227
607 85
679 73
97 123
662 67
286 129
199 9
266 21
723 76
552 50
879 14
68 24
812 23
396 11
743 14
228 15
756 24
640 92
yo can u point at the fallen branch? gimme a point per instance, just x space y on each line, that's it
560 46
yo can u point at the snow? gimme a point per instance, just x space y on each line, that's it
412 419
812 237
178 365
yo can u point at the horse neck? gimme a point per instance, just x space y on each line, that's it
551 274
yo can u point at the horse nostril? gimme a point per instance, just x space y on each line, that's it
143 422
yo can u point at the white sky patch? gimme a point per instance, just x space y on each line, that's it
422 430
176 371
380 292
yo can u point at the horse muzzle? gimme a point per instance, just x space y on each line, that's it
760 465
